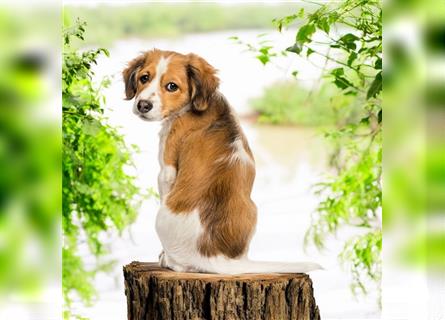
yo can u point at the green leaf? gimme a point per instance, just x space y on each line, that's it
376 86
304 33
378 64
294 73
265 50
348 40
352 58
338 72
300 13
342 82
323 24
264 59
349 37
333 17
286 21
350 92
365 120
295 48
278 24
309 52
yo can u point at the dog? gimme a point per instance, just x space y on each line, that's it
207 218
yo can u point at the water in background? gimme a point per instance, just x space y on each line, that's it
289 160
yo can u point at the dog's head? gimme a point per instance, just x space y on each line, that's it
165 82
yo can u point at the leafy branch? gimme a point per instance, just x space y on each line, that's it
348 35
98 195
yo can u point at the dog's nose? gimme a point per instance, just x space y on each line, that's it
144 106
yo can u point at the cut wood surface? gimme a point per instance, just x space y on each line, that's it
156 293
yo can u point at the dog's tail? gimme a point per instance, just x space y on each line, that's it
233 266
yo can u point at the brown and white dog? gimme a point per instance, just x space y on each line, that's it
207 218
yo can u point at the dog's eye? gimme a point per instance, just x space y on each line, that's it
171 87
144 78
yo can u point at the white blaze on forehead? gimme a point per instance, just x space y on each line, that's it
153 92
153 87
161 68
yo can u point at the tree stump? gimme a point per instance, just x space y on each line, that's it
156 293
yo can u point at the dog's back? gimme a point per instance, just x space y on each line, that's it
215 176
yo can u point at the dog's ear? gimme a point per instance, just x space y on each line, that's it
129 75
203 81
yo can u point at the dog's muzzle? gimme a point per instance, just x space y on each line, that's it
144 106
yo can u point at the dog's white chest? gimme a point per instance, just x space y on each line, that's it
163 135
167 175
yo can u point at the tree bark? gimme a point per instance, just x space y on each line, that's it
156 293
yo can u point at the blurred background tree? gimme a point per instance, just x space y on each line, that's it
98 193
347 102
29 161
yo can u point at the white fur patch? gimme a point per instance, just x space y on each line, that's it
221 264
179 234
163 185
166 178
239 153
153 93
163 135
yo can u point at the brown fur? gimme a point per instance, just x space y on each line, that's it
203 81
208 182
199 146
